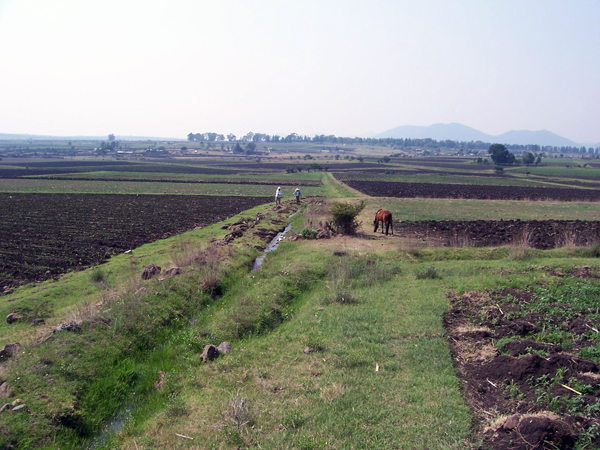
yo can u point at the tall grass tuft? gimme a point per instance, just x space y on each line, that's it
519 248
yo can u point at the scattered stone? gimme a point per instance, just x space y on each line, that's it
13 317
320 308
22 407
4 390
224 347
323 234
340 253
210 352
68 326
9 350
5 407
38 321
160 384
140 290
225 227
308 350
172 271
7 290
150 271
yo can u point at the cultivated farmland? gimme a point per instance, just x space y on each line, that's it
43 235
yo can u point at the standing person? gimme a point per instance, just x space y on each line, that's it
297 194
278 196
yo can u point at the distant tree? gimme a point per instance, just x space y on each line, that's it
111 137
500 154
538 160
528 158
191 136
184 149
231 137
250 148
498 169
386 159
211 136
238 148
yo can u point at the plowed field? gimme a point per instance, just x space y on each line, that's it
541 234
465 191
43 235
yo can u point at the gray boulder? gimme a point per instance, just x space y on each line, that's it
224 347
67 326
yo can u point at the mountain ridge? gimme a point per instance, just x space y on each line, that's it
459 132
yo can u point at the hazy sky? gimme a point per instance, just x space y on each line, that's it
344 67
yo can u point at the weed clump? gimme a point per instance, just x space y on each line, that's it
594 250
98 275
308 233
345 214
352 273
428 273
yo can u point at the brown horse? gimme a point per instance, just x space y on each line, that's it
385 217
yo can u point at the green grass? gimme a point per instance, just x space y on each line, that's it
39 185
103 175
443 179
573 172
450 209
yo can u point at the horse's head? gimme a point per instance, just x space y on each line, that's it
376 221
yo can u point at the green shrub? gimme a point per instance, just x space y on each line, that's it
429 273
308 233
345 214
98 275
594 250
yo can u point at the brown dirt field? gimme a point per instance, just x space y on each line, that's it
540 234
520 392
467 191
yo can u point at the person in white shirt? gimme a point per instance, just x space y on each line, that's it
297 194
278 195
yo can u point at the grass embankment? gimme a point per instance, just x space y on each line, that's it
379 374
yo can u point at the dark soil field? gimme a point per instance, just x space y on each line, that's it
64 167
44 235
528 361
541 234
478 192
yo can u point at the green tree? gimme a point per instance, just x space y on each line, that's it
528 158
111 137
500 154
250 148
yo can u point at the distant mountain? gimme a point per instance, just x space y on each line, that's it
542 137
459 132
37 137
438 131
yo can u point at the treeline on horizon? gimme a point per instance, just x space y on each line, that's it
395 143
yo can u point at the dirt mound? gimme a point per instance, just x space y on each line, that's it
541 234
